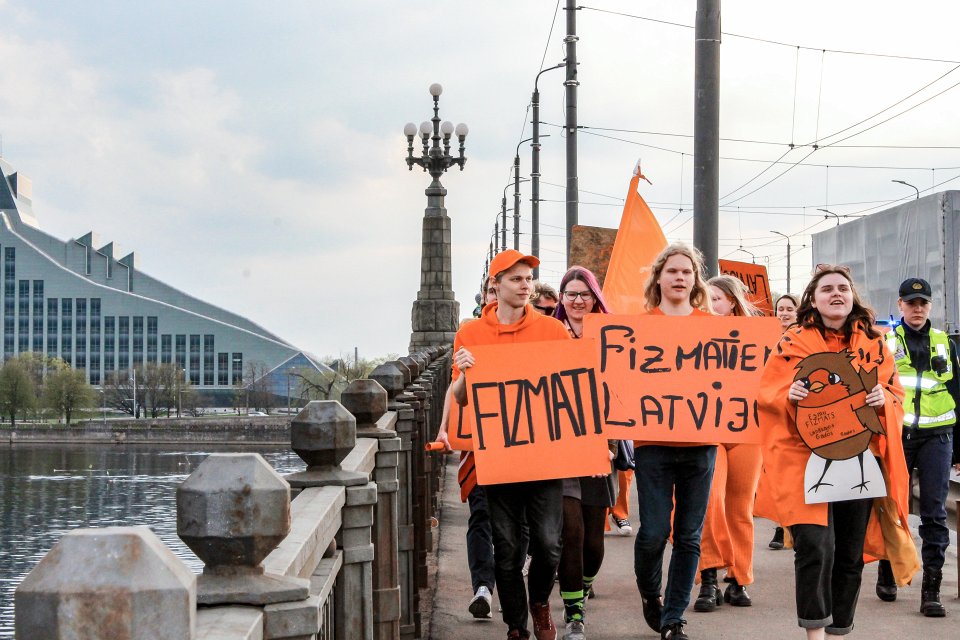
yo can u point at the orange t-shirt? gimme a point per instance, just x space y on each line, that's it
656 311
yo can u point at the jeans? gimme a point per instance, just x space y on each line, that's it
665 475
480 541
930 456
514 506
828 563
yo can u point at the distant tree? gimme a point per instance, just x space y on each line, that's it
66 390
17 391
257 385
118 391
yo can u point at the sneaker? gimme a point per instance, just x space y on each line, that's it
526 566
652 610
543 627
574 631
517 634
480 605
622 525
673 632
777 542
589 593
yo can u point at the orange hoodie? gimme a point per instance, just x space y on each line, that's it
785 455
532 327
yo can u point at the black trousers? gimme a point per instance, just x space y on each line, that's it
480 541
514 506
828 563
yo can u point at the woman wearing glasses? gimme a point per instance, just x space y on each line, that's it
830 539
585 500
727 540
673 473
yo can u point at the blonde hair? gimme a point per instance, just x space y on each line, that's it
737 291
699 297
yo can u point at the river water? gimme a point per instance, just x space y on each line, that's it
48 490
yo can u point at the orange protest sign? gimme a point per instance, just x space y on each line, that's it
755 277
459 431
536 412
681 379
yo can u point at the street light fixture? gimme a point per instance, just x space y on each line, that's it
436 314
909 185
825 217
753 258
788 256
516 195
535 170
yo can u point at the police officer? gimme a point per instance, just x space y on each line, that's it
927 362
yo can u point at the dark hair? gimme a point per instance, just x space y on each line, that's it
585 276
789 296
860 315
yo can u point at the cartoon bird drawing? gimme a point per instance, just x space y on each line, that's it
834 419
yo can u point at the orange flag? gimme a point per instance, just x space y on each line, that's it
639 240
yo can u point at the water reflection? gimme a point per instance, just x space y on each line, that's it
48 490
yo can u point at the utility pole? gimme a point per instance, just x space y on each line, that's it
516 199
571 84
788 257
503 220
706 133
535 172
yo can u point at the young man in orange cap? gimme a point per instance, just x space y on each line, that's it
538 504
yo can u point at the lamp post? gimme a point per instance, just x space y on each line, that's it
516 195
831 213
535 171
909 185
753 258
435 312
788 256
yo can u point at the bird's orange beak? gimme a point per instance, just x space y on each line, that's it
816 386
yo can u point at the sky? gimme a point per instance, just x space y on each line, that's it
252 153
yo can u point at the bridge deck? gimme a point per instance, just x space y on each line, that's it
615 613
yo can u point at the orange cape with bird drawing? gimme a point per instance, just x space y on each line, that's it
785 455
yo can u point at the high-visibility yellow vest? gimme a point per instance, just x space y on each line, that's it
937 407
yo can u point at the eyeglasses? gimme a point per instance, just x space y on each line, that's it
545 310
820 268
570 296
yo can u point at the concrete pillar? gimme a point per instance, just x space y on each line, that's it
323 434
232 511
367 401
115 583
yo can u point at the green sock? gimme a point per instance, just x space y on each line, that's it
572 605
588 583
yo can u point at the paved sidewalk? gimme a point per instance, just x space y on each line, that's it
615 613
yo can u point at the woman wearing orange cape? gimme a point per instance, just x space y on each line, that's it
831 389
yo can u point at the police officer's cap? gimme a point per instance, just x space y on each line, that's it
913 288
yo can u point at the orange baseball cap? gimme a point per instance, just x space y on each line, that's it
506 259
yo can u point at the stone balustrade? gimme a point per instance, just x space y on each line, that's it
336 552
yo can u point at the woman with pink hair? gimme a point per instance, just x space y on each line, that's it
585 500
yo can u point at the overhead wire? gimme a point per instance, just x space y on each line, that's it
775 42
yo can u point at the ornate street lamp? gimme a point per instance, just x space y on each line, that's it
436 314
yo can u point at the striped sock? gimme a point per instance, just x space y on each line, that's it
572 605
588 586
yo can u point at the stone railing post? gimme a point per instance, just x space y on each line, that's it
232 511
394 376
367 401
115 583
416 397
323 434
